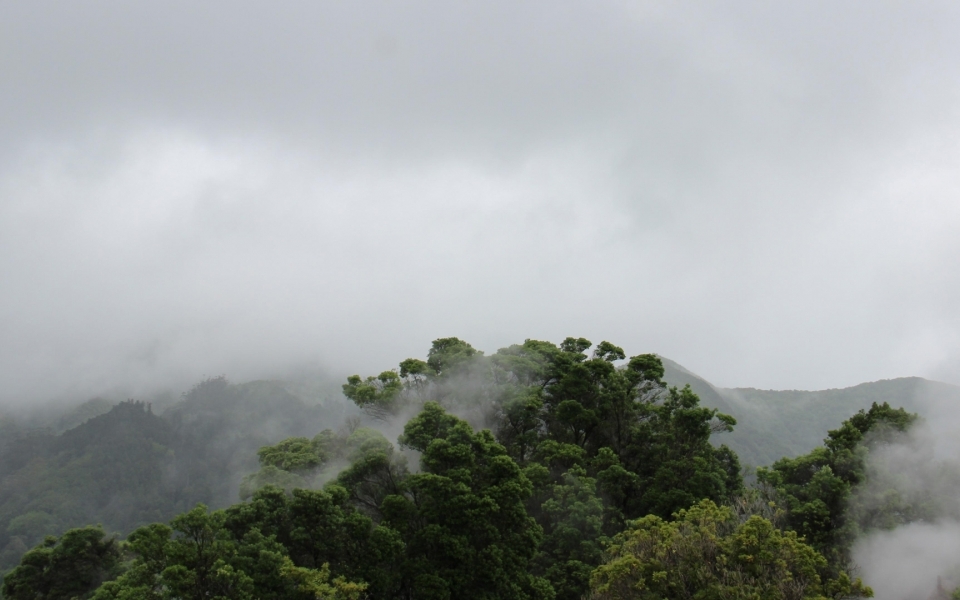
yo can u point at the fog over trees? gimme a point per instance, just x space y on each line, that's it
286 291
542 470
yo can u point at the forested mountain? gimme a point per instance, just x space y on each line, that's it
56 418
517 475
772 424
129 466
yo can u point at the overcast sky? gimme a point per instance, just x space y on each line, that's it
767 194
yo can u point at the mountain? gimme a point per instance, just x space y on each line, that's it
108 470
772 424
129 466
750 440
125 465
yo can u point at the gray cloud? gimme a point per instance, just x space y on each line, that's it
920 475
766 194
905 563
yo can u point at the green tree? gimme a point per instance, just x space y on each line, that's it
290 464
293 454
73 566
649 446
464 520
199 557
815 488
416 381
322 527
572 518
596 433
270 476
378 396
706 553
316 583
143 580
446 354
669 450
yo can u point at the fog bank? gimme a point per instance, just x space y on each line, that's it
766 194
916 482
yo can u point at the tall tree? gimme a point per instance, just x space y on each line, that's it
598 434
464 520
815 488
707 553
199 558
73 566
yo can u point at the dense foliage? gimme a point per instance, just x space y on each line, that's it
773 424
131 466
816 488
599 443
707 553
71 567
542 471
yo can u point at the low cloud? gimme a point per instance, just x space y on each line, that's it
917 482
905 564
765 194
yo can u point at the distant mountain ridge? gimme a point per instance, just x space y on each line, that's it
128 464
772 424
124 465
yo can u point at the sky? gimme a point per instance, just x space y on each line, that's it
768 194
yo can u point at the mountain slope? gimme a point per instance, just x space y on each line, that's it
772 424
751 440
129 466
109 470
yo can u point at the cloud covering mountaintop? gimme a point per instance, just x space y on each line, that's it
766 193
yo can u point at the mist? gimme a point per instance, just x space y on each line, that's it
907 562
765 194
921 476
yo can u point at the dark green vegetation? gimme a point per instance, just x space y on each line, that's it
816 488
775 424
570 447
66 568
541 471
706 552
129 467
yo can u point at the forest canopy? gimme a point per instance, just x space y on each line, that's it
541 471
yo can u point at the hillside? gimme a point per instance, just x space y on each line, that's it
772 424
574 454
129 466
125 465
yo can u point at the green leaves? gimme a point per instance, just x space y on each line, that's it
288 464
431 424
466 528
706 553
572 518
413 367
575 345
225 555
648 366
391 392
580 443
815 488
270 476
73 566
322 527
293 454
447 353
315 583
596 439
669 450
377 395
